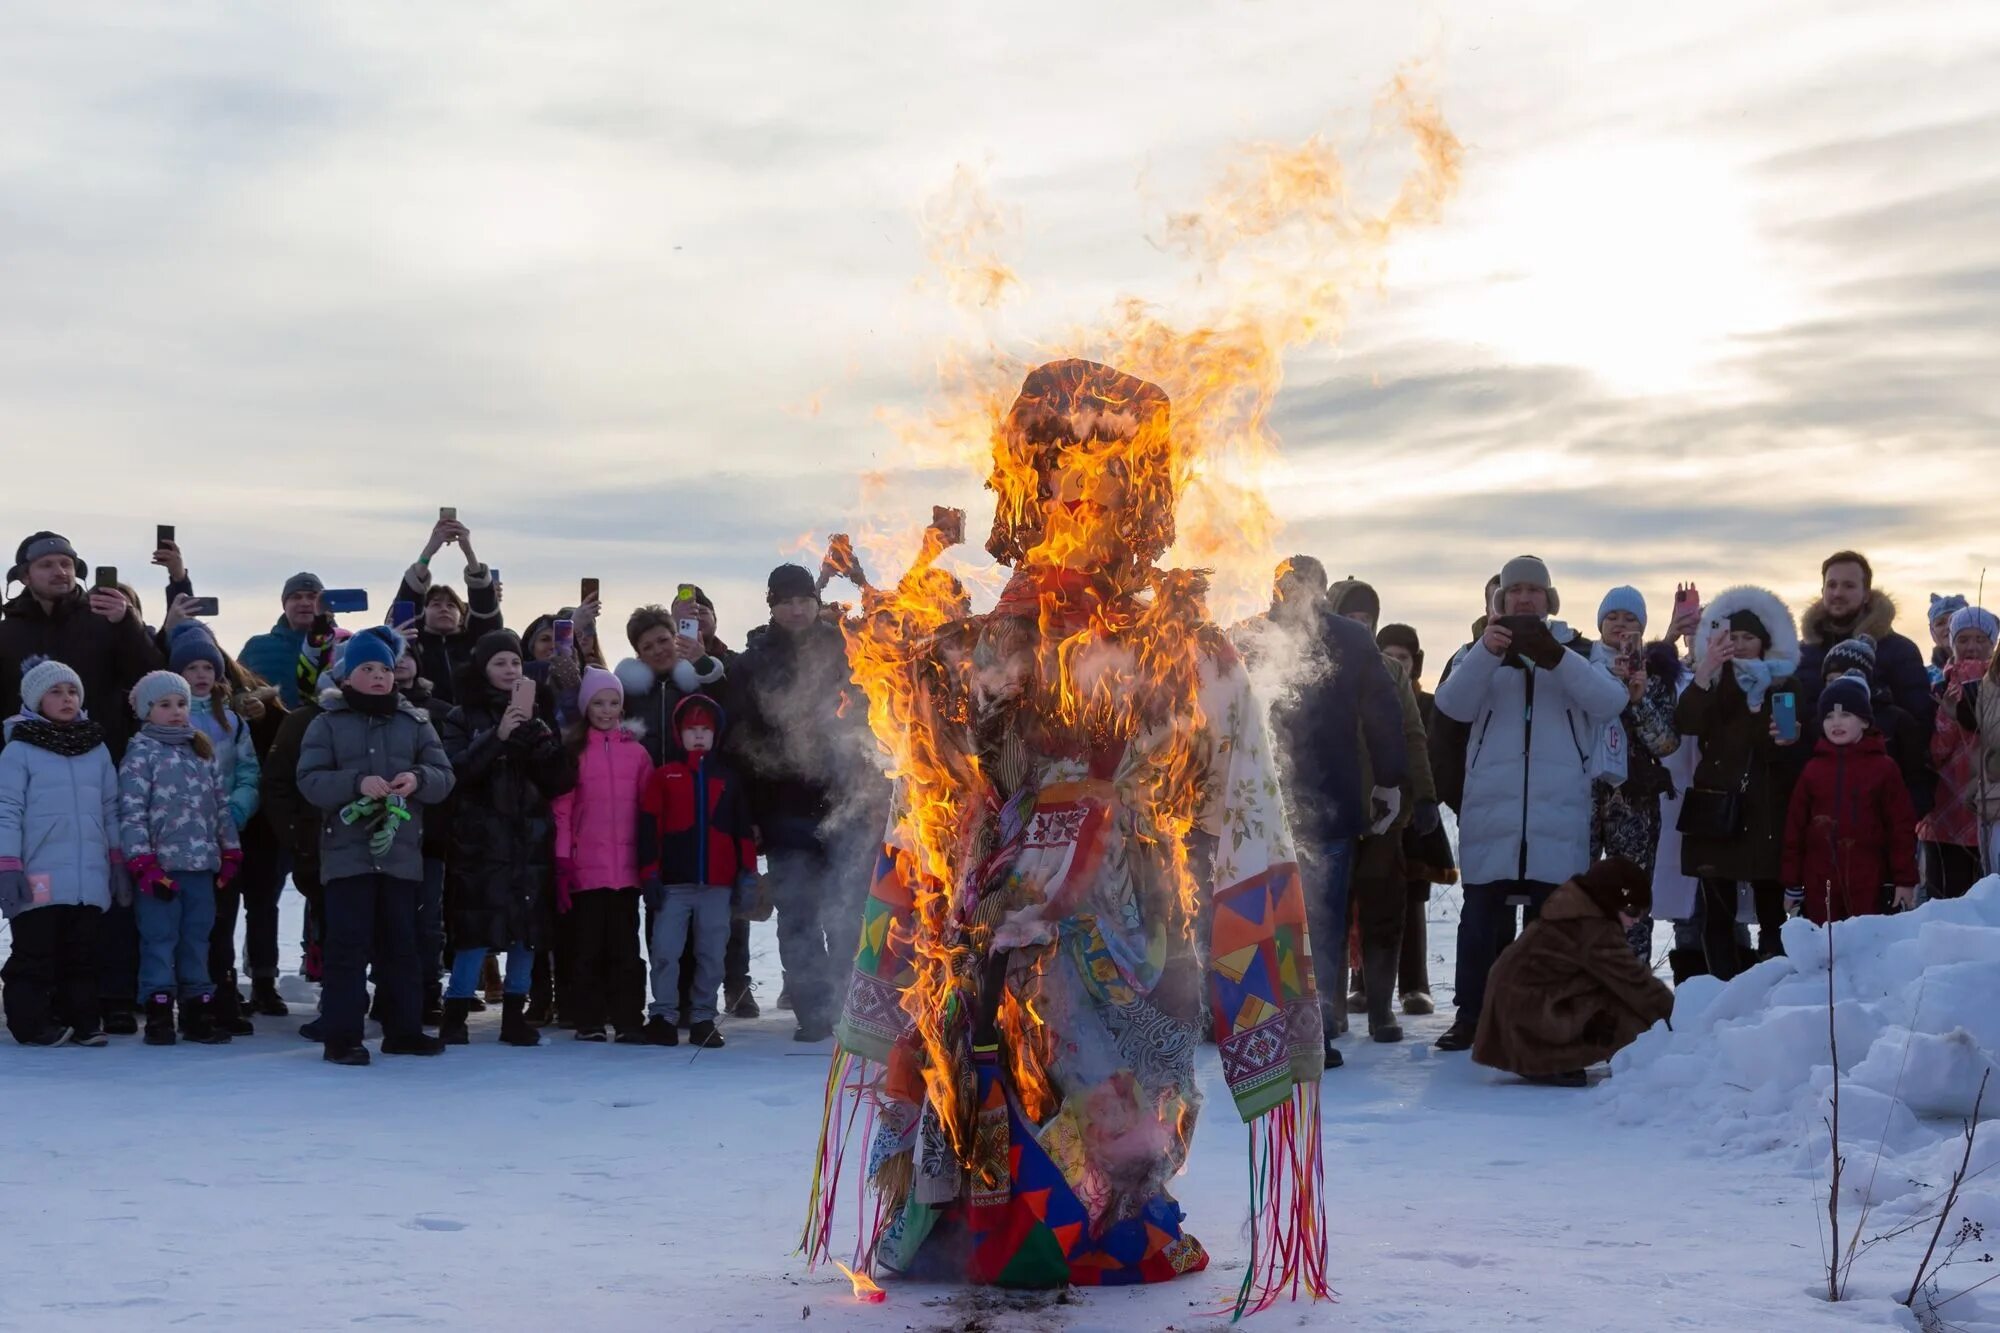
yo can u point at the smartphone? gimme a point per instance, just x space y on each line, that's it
343 601
587 591
1785 712
687 592
202 606
690 628
402 613
1686 599
950 523
107 577
565 637
163 535
524 695
447 514
493 572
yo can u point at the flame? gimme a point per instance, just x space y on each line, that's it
865 1289
1099 474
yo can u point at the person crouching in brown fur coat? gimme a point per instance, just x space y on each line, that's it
1569 992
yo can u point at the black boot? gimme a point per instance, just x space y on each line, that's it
355 1055
1378 966
704 1034
433 1003
228 1010
1687 963
1457 1037
660 1031
416 1043
198 1021
514 1027
160 1020
451 1031
119 1020
264 998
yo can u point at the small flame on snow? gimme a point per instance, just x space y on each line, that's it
865 1289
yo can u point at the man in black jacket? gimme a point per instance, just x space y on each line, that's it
805 742
1849 606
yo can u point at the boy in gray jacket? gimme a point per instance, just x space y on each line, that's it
369 763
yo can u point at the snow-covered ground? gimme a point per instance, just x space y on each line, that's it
601 1187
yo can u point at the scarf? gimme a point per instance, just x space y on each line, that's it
370 705
182 735
1756 676
68 739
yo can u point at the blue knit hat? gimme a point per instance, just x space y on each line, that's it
194 643
1622 599
1975 617
155 686
378 644
1942 607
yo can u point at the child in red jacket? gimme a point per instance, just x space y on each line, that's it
697 844
597 864
1852 829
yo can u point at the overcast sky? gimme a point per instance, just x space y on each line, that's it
632 285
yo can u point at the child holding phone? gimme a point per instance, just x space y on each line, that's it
178 841
510 764
449 624
60 863
1851 829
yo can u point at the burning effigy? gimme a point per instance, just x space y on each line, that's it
1017 1050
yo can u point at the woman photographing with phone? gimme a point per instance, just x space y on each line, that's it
510 763
1732 820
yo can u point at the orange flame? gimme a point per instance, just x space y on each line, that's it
865 1289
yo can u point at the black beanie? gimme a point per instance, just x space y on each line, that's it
789 581
1746 622
1404 637
491 645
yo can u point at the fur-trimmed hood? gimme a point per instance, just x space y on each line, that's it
1762 603
1878 621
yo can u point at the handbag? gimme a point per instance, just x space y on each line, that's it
1708 813
1610 757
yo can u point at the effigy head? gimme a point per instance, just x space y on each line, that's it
1084 470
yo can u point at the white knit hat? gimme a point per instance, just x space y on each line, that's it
42 674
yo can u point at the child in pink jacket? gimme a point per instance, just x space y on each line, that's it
597 864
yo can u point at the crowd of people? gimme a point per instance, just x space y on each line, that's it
447 794
442 791
1738 768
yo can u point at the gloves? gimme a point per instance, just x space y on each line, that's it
149 878
566 884
232 861
1387 802
1424 819
1533 641
15 895
121 884
395 814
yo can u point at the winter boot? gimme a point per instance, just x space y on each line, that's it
355 1055
160 1020
1379 967
742 1002
592 1034
1457 1037
1334 1059
314 1028
515 1030
265 1000
1335 999
119 1020
229 1010
88 1037
433 1003
478 1006
416 1043
54 1034
704 1034
1687 963
661 1032
452 1031
632 1036
198 1021
1417 1003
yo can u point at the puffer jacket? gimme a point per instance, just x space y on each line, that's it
59 818
1850 830
170 806
237 770
110 658
1525 814
597 823
342 746
500 871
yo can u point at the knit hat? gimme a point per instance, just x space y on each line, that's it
1404 637
1943 607
1616 885
1975 617
493 643
1351 595
1856 655
596 680
155 686
1747 622
39 675
40 544
302 582
194 643
1622 599
1850 694
788 581
1533 571
378 644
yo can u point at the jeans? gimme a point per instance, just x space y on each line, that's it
607 983
51 971
173 937
465 965
700 914
369 919
430 924
1485 927
1324 874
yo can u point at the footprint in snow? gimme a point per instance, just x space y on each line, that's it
431 1222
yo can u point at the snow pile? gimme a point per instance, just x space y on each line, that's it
1747 1067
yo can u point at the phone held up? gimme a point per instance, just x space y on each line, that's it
587 591
202 606
565 632
163 535
343 601
1785 715
107 578
402 613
